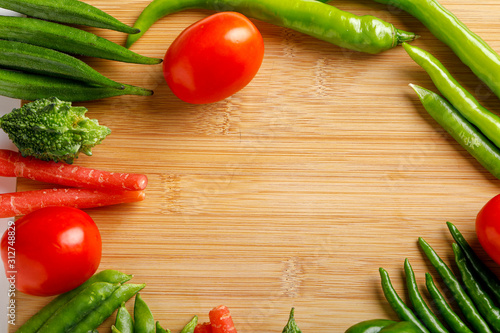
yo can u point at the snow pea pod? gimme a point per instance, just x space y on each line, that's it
67 11
190 326
124 322
360 33
143 318
468 46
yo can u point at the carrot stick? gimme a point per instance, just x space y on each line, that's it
13 164
21 203
203 328
221 321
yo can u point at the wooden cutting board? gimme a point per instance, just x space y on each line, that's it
292 192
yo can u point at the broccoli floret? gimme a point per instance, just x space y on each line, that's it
53 130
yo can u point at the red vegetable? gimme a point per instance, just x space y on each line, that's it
20 203
203 328
12 164
221 321
213 58
51 250
488 228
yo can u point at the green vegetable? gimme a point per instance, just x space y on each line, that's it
463 300
114 329
370 326
487 122
40 60
78 307
36 321
32 86
143 318
483 150
469 47
291 326
52 130
190 326
67 39
401 327
361 33
67 11
160 329
124 322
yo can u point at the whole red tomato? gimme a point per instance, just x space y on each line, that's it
488 228
213 58
51 250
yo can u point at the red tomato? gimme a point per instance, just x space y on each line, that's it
488 228
52 250
213 58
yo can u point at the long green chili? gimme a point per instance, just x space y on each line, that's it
361 33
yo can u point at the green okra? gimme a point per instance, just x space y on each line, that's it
67 11
143 317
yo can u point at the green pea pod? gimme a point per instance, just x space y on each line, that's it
190 326
160 329
370 326
291 326
469 47
487 277
452 319
360 33
487 122
401 327
463 300
421 309
114 329
67 39
481 299
143 318
33 86
483 150
77 308
37 320
124 322
106 309
67 11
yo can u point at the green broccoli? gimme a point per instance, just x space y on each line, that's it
53 130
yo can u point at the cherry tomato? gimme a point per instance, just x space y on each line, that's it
488 228
213 58
52 250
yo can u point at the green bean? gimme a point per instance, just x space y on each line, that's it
160 329
360 33
452 319
29 86
189 327
40 60
483 150
78 307
402 310
37 320
124 322
463 300
106 309
370 326
67 39
422 310
67 11
487 277
143 318
469 47
480 298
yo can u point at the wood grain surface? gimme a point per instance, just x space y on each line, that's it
292 192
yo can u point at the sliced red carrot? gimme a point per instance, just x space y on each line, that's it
21 203
203 328
221 321
13 164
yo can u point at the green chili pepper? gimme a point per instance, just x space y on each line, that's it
37 320
67 39
422 310
189 327
483 150
452 319
463 300
370 326
361 33
106 309
67 11
143 318
29 86
402 310
487 122
160 329
401 327
487 277
469 47
481 299
78 307
124 322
